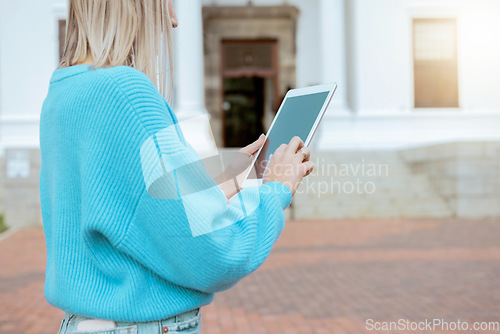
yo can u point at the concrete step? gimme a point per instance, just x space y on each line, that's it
401 191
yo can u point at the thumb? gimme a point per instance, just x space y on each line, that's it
255 146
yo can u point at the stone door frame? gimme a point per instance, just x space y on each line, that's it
251 23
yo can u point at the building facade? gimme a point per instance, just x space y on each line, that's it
411 74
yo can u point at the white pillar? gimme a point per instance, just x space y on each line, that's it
333 47
332 32
189 77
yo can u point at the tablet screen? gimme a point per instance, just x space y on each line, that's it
296 118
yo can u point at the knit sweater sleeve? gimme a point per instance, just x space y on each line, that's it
183 227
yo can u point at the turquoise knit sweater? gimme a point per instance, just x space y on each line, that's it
113 250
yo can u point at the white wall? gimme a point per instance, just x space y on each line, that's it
383 47
480 54
380 75
28 56
380 72
384 73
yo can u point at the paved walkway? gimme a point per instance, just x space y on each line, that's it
322 277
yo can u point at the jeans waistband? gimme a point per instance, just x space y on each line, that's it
180 321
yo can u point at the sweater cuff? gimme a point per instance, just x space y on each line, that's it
279 189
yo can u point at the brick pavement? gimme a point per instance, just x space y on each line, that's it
321 277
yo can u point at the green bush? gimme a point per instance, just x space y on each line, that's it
2 225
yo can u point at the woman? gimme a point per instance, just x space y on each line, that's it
120 260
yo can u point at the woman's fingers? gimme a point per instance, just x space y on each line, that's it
300 156
308 166
289 164
295 144
281 149
255 146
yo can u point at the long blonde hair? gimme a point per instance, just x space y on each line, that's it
136 33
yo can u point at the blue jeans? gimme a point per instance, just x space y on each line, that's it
185 323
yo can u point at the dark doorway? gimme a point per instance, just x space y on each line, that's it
243 110
249 75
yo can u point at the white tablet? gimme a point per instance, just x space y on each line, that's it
299 115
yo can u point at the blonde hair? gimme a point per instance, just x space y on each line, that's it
136 33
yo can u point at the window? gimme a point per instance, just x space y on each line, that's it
435 63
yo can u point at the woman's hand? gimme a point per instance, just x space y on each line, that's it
254 147
230 180
288 164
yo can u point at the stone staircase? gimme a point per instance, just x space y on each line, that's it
439 181
366 184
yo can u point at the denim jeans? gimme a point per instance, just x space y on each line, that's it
185 323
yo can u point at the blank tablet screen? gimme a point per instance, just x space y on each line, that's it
296 118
